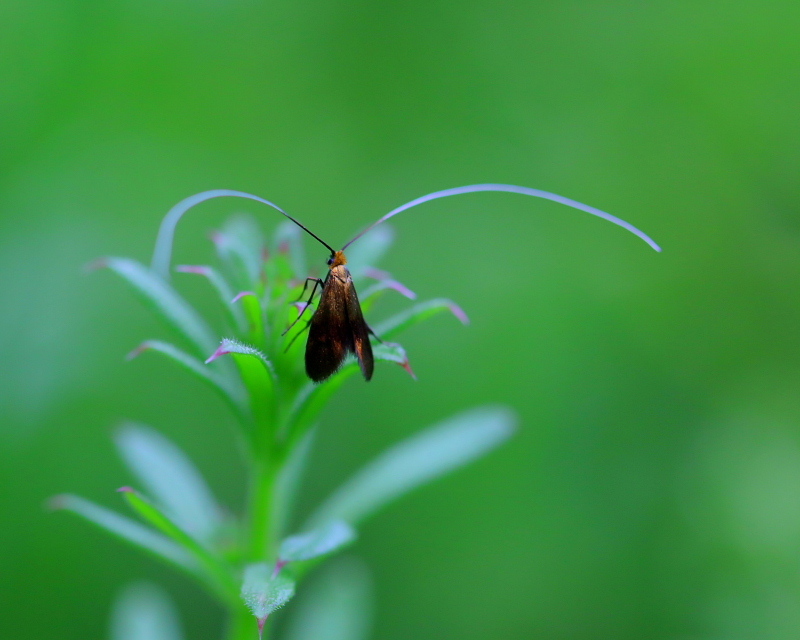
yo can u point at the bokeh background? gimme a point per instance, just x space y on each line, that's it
653 490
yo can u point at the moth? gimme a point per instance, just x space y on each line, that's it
337 326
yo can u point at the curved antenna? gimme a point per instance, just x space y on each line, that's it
162 255
538 193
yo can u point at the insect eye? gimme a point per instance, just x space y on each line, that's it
330 261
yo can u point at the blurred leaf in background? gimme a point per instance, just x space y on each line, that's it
648 488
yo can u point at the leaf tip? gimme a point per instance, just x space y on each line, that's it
221 351
138 351
57 502
459 313
190 268
401 289
376 274
407 366
241 295
95 265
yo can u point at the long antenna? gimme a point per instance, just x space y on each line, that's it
163 250
511 189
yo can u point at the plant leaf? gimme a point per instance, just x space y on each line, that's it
230 390
218 574
312 398
240 246
235 313
264 591
172 479
336 606
418 313
128 530
289 234
258 377
289 478
251 306
143 611
330 537
162 254
415 461
372 293
393 352
369 251
166 300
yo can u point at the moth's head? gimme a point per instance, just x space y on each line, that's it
337 259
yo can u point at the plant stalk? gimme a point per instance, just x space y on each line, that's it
263 543
242 625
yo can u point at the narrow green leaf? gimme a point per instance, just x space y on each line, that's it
393 352
264 591
241 247
312 398
143 611
330 537
172 479
414 462
166 300
217 572
288 481
373 292
258 377
251 306
128 530
162 254
337 605
416 314
289 234
224 291
369 250
231 390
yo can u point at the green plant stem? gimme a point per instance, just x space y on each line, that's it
263 542
242 625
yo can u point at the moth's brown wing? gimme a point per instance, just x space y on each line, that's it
360 332
329 338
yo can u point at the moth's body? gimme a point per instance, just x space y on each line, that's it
337 326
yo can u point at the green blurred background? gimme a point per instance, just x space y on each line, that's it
653 490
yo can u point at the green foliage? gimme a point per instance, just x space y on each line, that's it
144 612
246 561
330 537
172 479
418 460
128 530
264 589
336 605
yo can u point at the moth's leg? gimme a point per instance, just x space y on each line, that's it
298 334
305 286
317 282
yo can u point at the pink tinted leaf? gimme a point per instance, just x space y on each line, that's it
393 352
258 376
228 386
236 314
388 283
128 530
168 302
418 313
